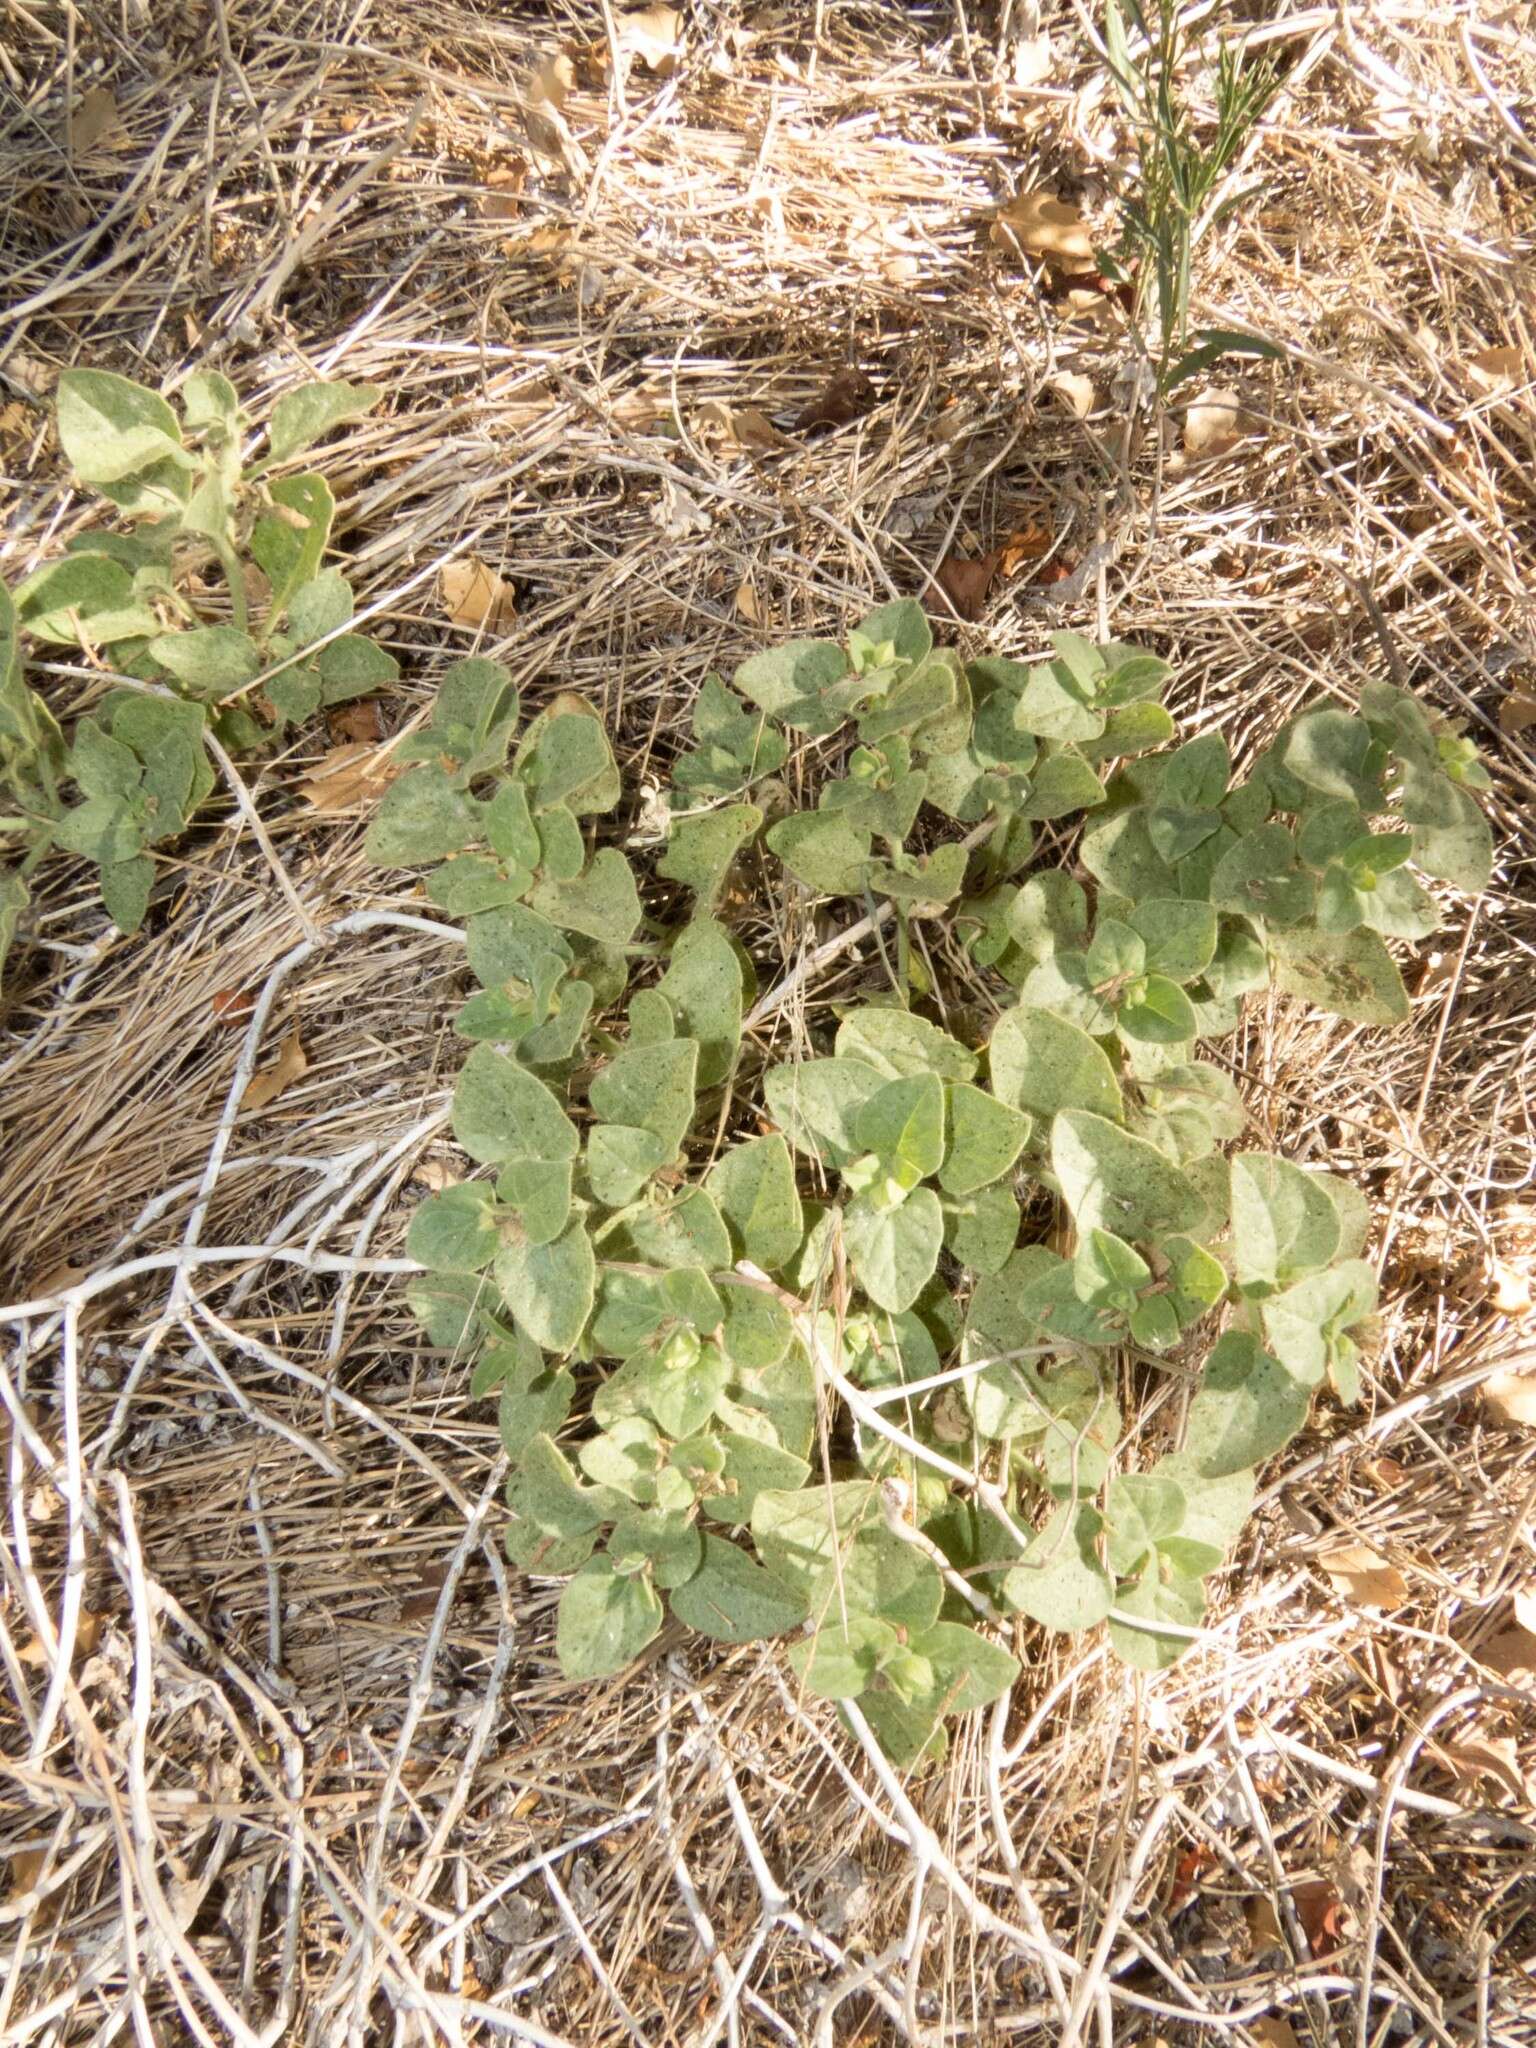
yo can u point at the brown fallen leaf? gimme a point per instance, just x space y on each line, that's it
1492 1759
748 604
501 198
654 35
87 1636
966 581
1512 1652
1264 1930
1075 391
1192 1865
1518 709
1031 60
1213 425
474 595
97 124
1025 544
290 1066
1273 2032
844 397
347 776
544 111
232 1005
1510 1397
363 720
1324 1917
436 1175
1363 1576
1051 230
739 427
1497 371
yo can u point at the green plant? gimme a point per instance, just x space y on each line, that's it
664 1312
140 763
1171 208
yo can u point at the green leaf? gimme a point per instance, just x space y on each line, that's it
606 1619
897 1043
982 1228
703 985
620 1160
550 1287
1049 913
83 600
1130 852
752 1467
937 877
453 1232
602 904
301 417
1451 836
500 1111
1113 1181
1158 1596
1284 1222
651 1087
451 1308
1352 974
289 550
1262 876
1059 1580
562 849
840 1661
1305 1325
986 1136
1248 1407
733 1600
351 666
111 429
1141 1508
969 1672
670 1542
700 849
1215 1510
1180 937
903 623
1053 705
532 1400
735 745
823 850
1043 1065
103 829
538 1193
509 826
754 1185
902 1123
1156 1011
210 661
685 1231
1062 784
791 683
626 1458
893 1252
682 1398
102 765
421 818
816 1101
1335 754
125 887
471 882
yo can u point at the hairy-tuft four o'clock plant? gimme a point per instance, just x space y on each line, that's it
138 767
774 1347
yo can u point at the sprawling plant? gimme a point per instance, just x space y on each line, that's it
134 602
768 1343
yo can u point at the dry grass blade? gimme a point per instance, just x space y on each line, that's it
288 1752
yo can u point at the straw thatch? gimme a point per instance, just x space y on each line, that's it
286 1752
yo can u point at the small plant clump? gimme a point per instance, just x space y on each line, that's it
139 765
807 1379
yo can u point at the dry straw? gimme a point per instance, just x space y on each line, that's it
287 1756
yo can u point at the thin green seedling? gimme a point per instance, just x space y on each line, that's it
1176 200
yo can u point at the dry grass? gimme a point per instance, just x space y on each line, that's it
313 1774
